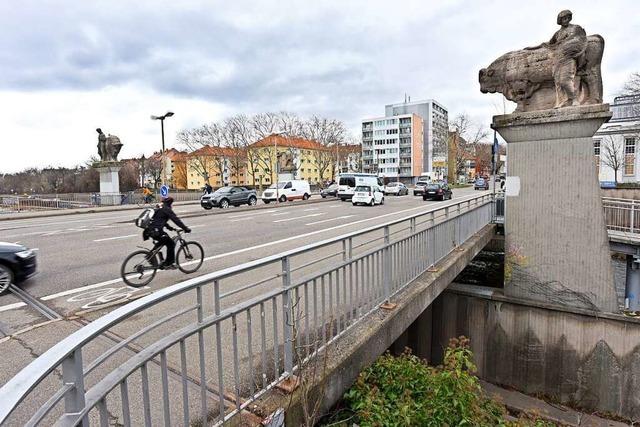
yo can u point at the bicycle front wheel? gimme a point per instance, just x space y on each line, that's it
139 268
190 257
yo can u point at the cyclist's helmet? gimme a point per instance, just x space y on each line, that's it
167 201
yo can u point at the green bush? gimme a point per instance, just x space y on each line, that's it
405 391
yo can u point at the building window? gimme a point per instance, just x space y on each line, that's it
629 156
596 154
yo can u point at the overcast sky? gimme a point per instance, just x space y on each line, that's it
68 67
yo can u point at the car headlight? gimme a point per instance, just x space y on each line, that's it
24 254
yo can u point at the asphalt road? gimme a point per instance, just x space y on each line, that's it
80 255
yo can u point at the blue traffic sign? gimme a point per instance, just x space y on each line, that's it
164 191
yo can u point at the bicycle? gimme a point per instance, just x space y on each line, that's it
144 201
140 267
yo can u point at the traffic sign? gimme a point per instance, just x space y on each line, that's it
164 191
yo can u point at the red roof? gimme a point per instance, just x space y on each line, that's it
291 142
209 150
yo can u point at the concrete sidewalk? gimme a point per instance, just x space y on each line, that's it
559 414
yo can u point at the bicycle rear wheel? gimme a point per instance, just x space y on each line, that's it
190 257
139 268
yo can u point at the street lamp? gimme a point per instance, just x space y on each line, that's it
275 145
161 118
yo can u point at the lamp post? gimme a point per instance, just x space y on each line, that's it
161 118
275 145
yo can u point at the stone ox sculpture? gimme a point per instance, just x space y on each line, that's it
108 147
562 72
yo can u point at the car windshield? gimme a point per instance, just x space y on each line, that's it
434 186
280 185
363 188
480 180
393 184
349 181
222 190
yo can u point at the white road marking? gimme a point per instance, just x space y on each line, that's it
12 306
311 209
330 219
281 213
252 248
253 214
241 219
299 217
115 238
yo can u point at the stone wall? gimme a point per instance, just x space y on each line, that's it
621 193
574 356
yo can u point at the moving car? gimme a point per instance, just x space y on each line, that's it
396 188
481 184
331 190
287 190
368 195
348 182
437 190
224 197
17 264
419 188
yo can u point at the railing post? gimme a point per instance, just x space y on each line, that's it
287 316
633 205
72 374
413 225
386 256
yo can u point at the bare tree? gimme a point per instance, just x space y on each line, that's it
632 85
239 136
612 154
330 134
201 158
464 137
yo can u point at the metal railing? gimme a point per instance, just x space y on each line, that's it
208 347
622 214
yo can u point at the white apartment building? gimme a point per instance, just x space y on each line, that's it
616 142
392 147
435 119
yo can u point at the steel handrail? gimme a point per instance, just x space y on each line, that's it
18 387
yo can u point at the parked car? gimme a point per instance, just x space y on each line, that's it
481 184
331 190
17 264
287 190
420 185
396 188
367 195
437 190
229 196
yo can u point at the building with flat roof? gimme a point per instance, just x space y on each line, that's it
409 141
392 147
615 145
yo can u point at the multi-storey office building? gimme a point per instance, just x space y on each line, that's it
392 147
434 138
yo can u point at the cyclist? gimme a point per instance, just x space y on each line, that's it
147 195
156 231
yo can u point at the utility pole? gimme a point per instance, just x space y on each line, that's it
162 159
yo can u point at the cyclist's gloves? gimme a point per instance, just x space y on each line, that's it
170 228
187 230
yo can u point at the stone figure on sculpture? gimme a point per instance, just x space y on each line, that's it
565 71
108 147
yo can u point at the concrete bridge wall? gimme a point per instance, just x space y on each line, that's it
574 356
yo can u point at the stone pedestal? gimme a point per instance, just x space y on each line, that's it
109 182
557 247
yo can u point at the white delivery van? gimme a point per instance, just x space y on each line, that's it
287 190
347 183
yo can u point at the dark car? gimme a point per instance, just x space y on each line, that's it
481 184
438 191
17 264
331 190
419 188
229 196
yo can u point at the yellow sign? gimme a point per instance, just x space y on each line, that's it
439 164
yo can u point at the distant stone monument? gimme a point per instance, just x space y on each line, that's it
108 149
556 242
563 72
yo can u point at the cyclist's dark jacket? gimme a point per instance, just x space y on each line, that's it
162 216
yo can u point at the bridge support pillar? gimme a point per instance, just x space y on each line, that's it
632 285
556 244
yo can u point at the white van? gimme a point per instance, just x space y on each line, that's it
348 182
287 190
